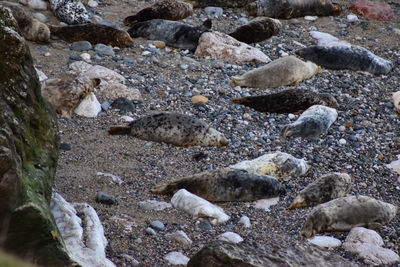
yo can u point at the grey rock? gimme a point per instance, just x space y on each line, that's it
105 105
81 46
212 11
97 57
158 225
129 60
65 146
243 20
123 104
184 66
105 198
104 50
150 231
206 225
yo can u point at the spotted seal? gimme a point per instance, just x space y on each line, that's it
313 122
354 58
70 11
286 9
31 28
172 128
225 184
287 101
257 30
344 213
283 71
93 33
173 33
324 189
163 9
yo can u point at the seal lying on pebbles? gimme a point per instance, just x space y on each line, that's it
31 28
172 128
287 101
173 33
324 189
164 9
280 72
257 30
344 213
65 94
281 165
341 57
225 184
93 33
286 9
70 11
313 122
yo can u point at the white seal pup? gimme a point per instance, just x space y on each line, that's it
173 33
283 71
342 214
163 9
172 128
225 184
313 122
70 11
31 28
354 58
324 189
257 30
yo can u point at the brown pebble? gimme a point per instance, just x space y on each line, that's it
199 98
159 44
349 124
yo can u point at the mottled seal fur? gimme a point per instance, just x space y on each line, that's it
341 57
221 3
344 213
324 189
313 122
66 93
283 71
225 184
163 9
286 9
287 101
173 33
172 128
93 33
70 11
257 30
31 28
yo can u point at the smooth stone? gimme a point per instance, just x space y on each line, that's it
201 106
81 46
105 198
65 146
97 57
159 44
129 60
127 118
206 225
243 20
123 104
89 107
245 221
183 66
352 18
75 58
158 225
92 4
105 105
150 231
153 204
199 98
85 57
325 241
264 204
364 235
104 50
372 254
311 18
212 11
230 237
176 258
179 237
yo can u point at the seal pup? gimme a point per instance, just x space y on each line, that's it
287 101
93 33
173 33
354 58
66 93
344 213
70 11
281 165
31 28
172 128
313 122
286 9
324 189
283 71
257 30
225 184
163 9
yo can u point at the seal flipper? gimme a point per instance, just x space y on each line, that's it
207 24
119 130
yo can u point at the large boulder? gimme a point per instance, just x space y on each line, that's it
221 254
28 155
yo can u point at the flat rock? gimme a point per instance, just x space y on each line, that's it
230 237
81 46
199 98
176 258
372 254
264 204
325 241
179 237
89 107
364 235
154 205
104 50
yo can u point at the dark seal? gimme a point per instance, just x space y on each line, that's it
257 30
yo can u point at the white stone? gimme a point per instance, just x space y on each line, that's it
35 4
326 39
131 259
85 57
89 107
264 204
396 100
176 258
198 207
342 141
230 237
42 76
85 241
364 235
352 18
245 221
311 18
179 237
342 128
325 241
116 179
372 254
92 3
127 118
395 165
224 47
125 221
291 116
146 53
151 204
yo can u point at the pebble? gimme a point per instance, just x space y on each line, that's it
146 53
104 50
311 18
206 225
129 60
243 20
213 12
89 107
65 146
159 44
123 104
342 141
85 57
176 258
352 18
127 118
179 237
199 98
105 198
158 225
291 116
97 57
132 260
92 4
245 221
150 231
105 105
81 46
183 66
325 241
264 204
342 128
230 237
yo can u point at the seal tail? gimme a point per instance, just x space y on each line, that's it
162 189
129 21
297 203
119 130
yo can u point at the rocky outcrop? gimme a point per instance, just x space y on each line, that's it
299 254
28 155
